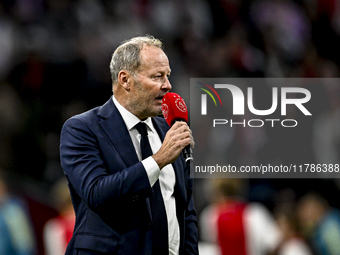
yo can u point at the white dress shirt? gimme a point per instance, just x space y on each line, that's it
167 178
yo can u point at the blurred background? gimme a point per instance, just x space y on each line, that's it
54 63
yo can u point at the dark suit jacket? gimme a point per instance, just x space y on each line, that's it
110 189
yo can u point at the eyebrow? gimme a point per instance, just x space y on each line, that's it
162 71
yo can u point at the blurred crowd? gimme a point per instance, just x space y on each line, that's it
233 225
54 58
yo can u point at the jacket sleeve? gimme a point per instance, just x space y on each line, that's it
191 230
84 166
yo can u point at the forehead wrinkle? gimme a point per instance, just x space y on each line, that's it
152 57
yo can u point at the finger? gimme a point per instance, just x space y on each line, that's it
192 142
179 136
179 124
180 130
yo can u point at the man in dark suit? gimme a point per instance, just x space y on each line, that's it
130 188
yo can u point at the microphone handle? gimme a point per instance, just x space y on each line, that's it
187 154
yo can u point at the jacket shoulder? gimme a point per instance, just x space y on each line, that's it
87 117
93 115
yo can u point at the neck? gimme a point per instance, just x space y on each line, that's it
123 101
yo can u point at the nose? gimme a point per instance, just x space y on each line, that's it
166 85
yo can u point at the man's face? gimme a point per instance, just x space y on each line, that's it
151 83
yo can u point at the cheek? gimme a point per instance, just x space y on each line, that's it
149 94
146 92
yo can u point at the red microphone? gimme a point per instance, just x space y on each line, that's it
174 109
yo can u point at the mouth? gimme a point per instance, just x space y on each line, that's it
160 98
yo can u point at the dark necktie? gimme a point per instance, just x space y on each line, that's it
159 219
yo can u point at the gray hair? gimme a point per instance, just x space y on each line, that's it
127 56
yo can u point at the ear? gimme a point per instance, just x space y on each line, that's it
124 79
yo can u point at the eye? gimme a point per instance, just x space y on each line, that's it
158 76
161 76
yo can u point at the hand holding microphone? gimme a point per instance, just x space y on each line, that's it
178 138
174 109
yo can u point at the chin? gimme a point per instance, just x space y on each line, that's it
158 110
157 114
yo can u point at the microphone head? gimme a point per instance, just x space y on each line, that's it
174 108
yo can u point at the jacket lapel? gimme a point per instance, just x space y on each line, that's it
113 125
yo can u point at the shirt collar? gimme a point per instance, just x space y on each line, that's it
131 120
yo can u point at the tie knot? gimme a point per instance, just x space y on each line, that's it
141 127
